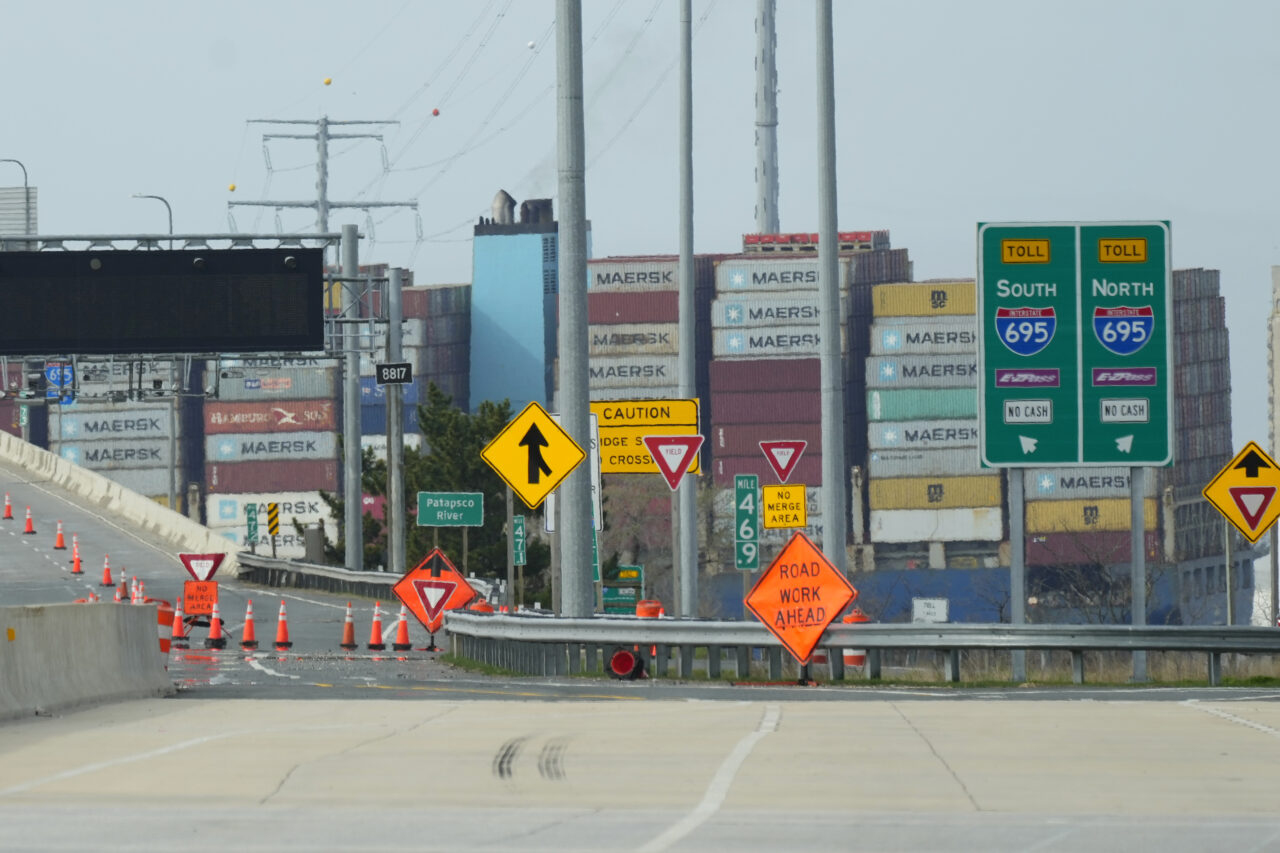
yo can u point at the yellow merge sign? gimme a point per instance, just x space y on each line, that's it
784 506
533 454
1245 492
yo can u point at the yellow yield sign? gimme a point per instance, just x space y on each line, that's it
1245 491
533 454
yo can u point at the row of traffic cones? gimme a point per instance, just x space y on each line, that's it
376 642
217 639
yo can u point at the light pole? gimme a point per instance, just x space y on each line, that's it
165 202
26 194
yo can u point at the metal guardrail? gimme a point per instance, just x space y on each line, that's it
553 646
269 571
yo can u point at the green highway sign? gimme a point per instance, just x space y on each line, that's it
746 522
1075 344
251 521
518 540
450 509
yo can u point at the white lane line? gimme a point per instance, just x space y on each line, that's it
1195 703
719 787
256 664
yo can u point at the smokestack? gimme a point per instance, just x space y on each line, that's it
504 208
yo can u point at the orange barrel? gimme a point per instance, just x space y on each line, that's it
649 608
164 624
481 606
855 657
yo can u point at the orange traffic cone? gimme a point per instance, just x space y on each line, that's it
402 643
282 630
75 545
178 634
122 589
30 528
106 568
348 631
59 544
216 640
248 637
375 630
8 507
75 566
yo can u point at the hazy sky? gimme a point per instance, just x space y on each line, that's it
949 113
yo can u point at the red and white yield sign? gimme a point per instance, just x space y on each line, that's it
783 456
673 455
433 587
201 566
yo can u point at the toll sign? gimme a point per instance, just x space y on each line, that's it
799 595
198 597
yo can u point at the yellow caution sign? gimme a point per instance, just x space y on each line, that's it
533 454
1245 492
784 506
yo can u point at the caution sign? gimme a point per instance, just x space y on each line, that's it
533 454
784 507
799 595
433 587
1245 492
625 423
198 597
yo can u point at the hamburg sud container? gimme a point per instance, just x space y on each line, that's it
225 514
277 416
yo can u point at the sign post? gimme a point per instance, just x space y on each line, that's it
431 588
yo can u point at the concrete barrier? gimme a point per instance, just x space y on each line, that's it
54 657
116 502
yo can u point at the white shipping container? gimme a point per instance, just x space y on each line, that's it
750 310
922 371
924 463
1049 484
148 482
229 510
924 336
780 272
82 421
979 524
100 378
722 503
923 435
235 383
378 443
634 339
290 545
269 446
660 392
770 342
642 371
117 454
606 274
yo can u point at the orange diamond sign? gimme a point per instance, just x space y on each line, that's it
1245 492
799 595
433 587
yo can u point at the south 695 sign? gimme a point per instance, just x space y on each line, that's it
1026 331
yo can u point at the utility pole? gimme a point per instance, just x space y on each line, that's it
766 118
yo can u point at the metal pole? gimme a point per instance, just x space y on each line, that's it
1226 555
575 492
511 553
1274 563
766 118
834 520
1017 566
27 227
173 441
464 549
322 177
167 208
688 492
353 529
396 525
1138 561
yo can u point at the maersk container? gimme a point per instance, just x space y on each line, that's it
638 339
775 274
252 384
978 524
910 404
645 371
935 492
922 435
1084 516
924 336
269 447
228 510
808 470
1049 484
98 421
118 454
661 392
288 545
282 416
769 374
770 342
925 299
638 274
744 439
922 371
1102 547
955 461
303 475
780 407
769 310
99 378
661 306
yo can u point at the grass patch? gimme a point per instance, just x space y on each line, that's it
469 665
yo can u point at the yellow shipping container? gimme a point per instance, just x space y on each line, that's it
935 492
1086 516
924 299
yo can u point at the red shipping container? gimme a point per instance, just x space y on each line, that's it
808 470
744 439
1106 547
292 475
766 374
9 418
270 416
633 306
775 407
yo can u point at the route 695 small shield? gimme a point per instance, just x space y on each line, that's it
1123 330
1026 331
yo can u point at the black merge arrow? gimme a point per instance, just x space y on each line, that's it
535 442
1252 463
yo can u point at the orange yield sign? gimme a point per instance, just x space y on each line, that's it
433 587
799 595
1245 491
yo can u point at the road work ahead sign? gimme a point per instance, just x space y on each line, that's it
799 595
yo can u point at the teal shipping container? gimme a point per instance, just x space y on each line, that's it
916 403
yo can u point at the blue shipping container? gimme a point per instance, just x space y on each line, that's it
373 419
371 392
